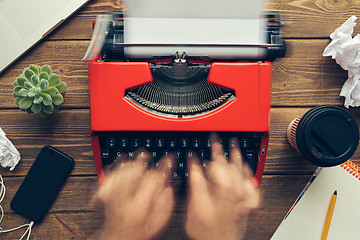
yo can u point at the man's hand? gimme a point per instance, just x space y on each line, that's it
137 201
220 196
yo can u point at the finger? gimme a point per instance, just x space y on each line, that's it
142 158
253 196
217 151
235 153
120 160
246 171
197 180
98 198
162 210
166 168
154 179
105 192
124 161
193 157
240 179
135 168
250 199
129 173
150 185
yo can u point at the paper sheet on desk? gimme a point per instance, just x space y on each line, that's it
194 22
307 218
346 51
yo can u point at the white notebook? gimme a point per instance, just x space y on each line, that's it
23 23
305 220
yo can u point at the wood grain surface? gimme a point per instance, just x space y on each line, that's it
301 80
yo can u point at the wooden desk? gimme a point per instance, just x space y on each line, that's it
301 80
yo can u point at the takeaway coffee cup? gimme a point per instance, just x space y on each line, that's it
326 135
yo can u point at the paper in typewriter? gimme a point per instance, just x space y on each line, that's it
225 22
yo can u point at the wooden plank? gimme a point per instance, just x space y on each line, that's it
72 217
303 77
68 130
313 19
302 19
306 78
64 59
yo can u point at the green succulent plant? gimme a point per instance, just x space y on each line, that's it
37 90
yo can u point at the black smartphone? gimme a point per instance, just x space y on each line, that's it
42 184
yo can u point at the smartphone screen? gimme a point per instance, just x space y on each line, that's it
42 184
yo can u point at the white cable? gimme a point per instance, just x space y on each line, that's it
28 230
14 229
2 195
28 225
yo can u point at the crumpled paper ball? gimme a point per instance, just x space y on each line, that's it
346 51
9 155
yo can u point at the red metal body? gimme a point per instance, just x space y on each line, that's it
248 112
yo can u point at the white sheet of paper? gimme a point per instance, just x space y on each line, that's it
306 220
226 9
194 22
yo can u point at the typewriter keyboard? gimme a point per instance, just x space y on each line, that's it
116 145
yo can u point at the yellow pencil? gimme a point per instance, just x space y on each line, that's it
329 216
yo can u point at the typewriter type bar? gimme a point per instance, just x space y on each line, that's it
171 103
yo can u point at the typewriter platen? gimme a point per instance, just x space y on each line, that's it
171 103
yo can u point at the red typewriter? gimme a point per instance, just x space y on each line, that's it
170 104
